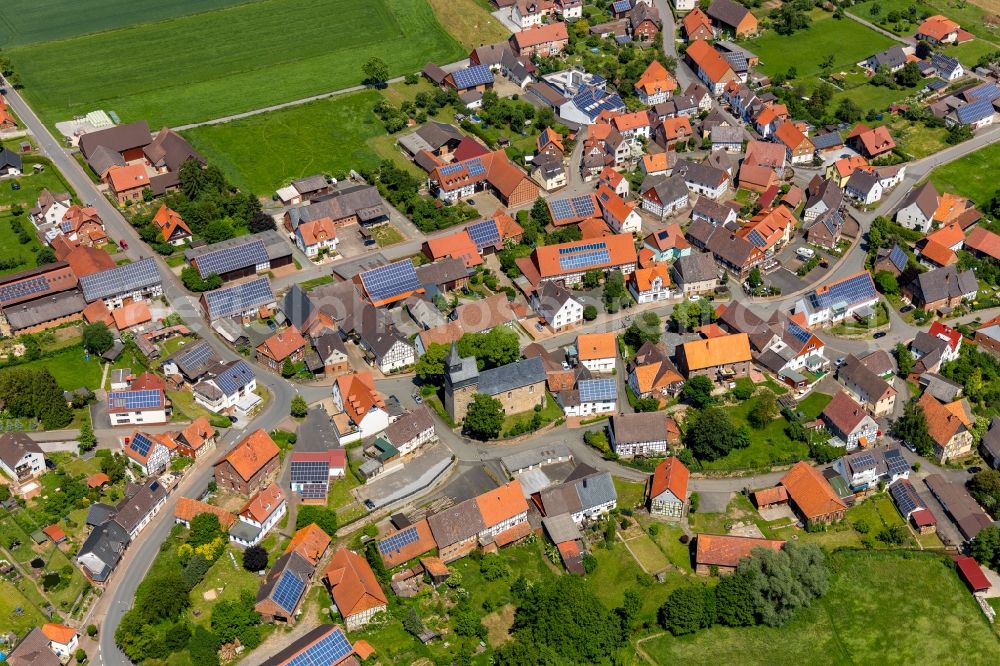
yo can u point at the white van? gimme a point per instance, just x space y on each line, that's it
805 253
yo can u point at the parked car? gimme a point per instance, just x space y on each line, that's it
840 361
906 308
122 245
14 185
805 252
880 334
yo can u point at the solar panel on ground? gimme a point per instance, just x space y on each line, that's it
391 280
398 540
141 444
597 390
119 280
288 591
328 650
484 233
228 259
24 288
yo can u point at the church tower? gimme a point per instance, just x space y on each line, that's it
461 380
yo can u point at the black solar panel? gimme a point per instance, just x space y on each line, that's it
18 290
230 301
386 282
120 280
329 650
398 540
227 259
288 591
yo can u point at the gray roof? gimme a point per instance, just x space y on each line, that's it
925 197
14 446
940 387
697 267
944 64
639 427
193 360
296 306
727 134
991 440
857 373
442 272
381 339
595 489
131 510
862 181
491 54
310 184
292 562
33 651
317 433
409 426
208 390
244 531
561 499
828 140
169 149
549 299
717 212
437 134
700 173
276 246
99 513
9 158
532 457
106 543
945 283
969 517
561 528
118 139
892 57
458 523
460 370
668 188
47 308
827 192
879 362
727 12
327 343
511 376
361 200
924 343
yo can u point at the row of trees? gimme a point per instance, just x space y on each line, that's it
491 349
33 393
767 588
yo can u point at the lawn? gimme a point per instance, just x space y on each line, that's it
813 405
881 607
768 446
232 579
848 41
11 600
170 345
29 21
630 494
70 368
550 412
233 59
647 554
386 235
31 184
327 136
185 408
973 175
917 139
469 23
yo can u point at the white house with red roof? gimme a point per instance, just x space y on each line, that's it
950 336
361 411
667 489
148 452
258 516
619 214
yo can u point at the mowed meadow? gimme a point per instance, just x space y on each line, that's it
214 63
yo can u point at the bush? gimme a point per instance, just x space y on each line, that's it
589 563
91 630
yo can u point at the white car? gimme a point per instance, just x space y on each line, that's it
805 252
694 297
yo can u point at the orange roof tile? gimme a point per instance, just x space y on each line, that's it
630 121
310 542
541 34
548 136
88 260
845 166
98 480
950 206
672 475
198 432
59 633
877 141
594 346
812 494
252 454
54 532
168 221
621 251
938 253
611 177
131 314
654 162
700 354
712 330
352 583
644 277
613 205
771 496
423 543
98 312
942 423
790 136
595 227
724 550
363 649
264 503
708 60
359 395
984 241
186 509
317 231
502 503
670 237
677 128
129 177
695 19
282 344
655 79
937 27
458 245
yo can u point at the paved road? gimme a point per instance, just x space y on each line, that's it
305 100
909 40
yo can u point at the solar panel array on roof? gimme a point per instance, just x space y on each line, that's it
863 461
974 111
475 167
737 60
584 260
597 390
313 476
582 206
984 91
895 463
140 444
799 333
391 280
756 238
906 499
396 542
898 258
288 591
196 355
240 298
232 379
135 400
452 169
228 259
592 102
828 140
484 234
622 6
10 292
470 77
328 650
856 289
123 279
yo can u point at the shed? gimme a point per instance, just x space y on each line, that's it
972 573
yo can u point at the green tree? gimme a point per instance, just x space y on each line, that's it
162 596
986 547
484 418
299 406
697 391
430 366
711 435
589 313
192 179
680 318
195 570
646 328
909 76
540 212
614 290
114 466
287 368
205 528
887 283
177 636
376 72
493 567
734 605
984 486
204 647
592 278
494 348
911 428
194 282
325 519
97 339
784 581
232 619
86 439
904 359
764 410
412 622
91 630
755 279
375 562
688 609
959 134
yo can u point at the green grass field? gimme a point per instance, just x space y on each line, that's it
11 600
972 176
31 185
881 607
647 554
193 68
325 136
846 40
70 369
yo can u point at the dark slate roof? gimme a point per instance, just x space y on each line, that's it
361 200
460 522
103 158
33 651
296 306
696 268
131 510
550 298
944 64
946 282
668 188
442 272
856 372
49 308
862 181
511 376
410 425
327 343
9 158
14 446
118 139
828 140
925 197
169 149
991 440
727 12
892 57
106 543
193 360
99 513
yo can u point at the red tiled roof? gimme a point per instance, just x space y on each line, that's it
283 344
186 509
98 480
317 231
708 59
131 314
310 542
726 551
359 395
458 245
938 253
54 532
168 221
129 177
984 241
656 78
812 494
972 573
88 260
59 633
252 454
501 503
98 312
769 496
672 475
264 503
620 247
353 585
542 34
937 27
424 543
